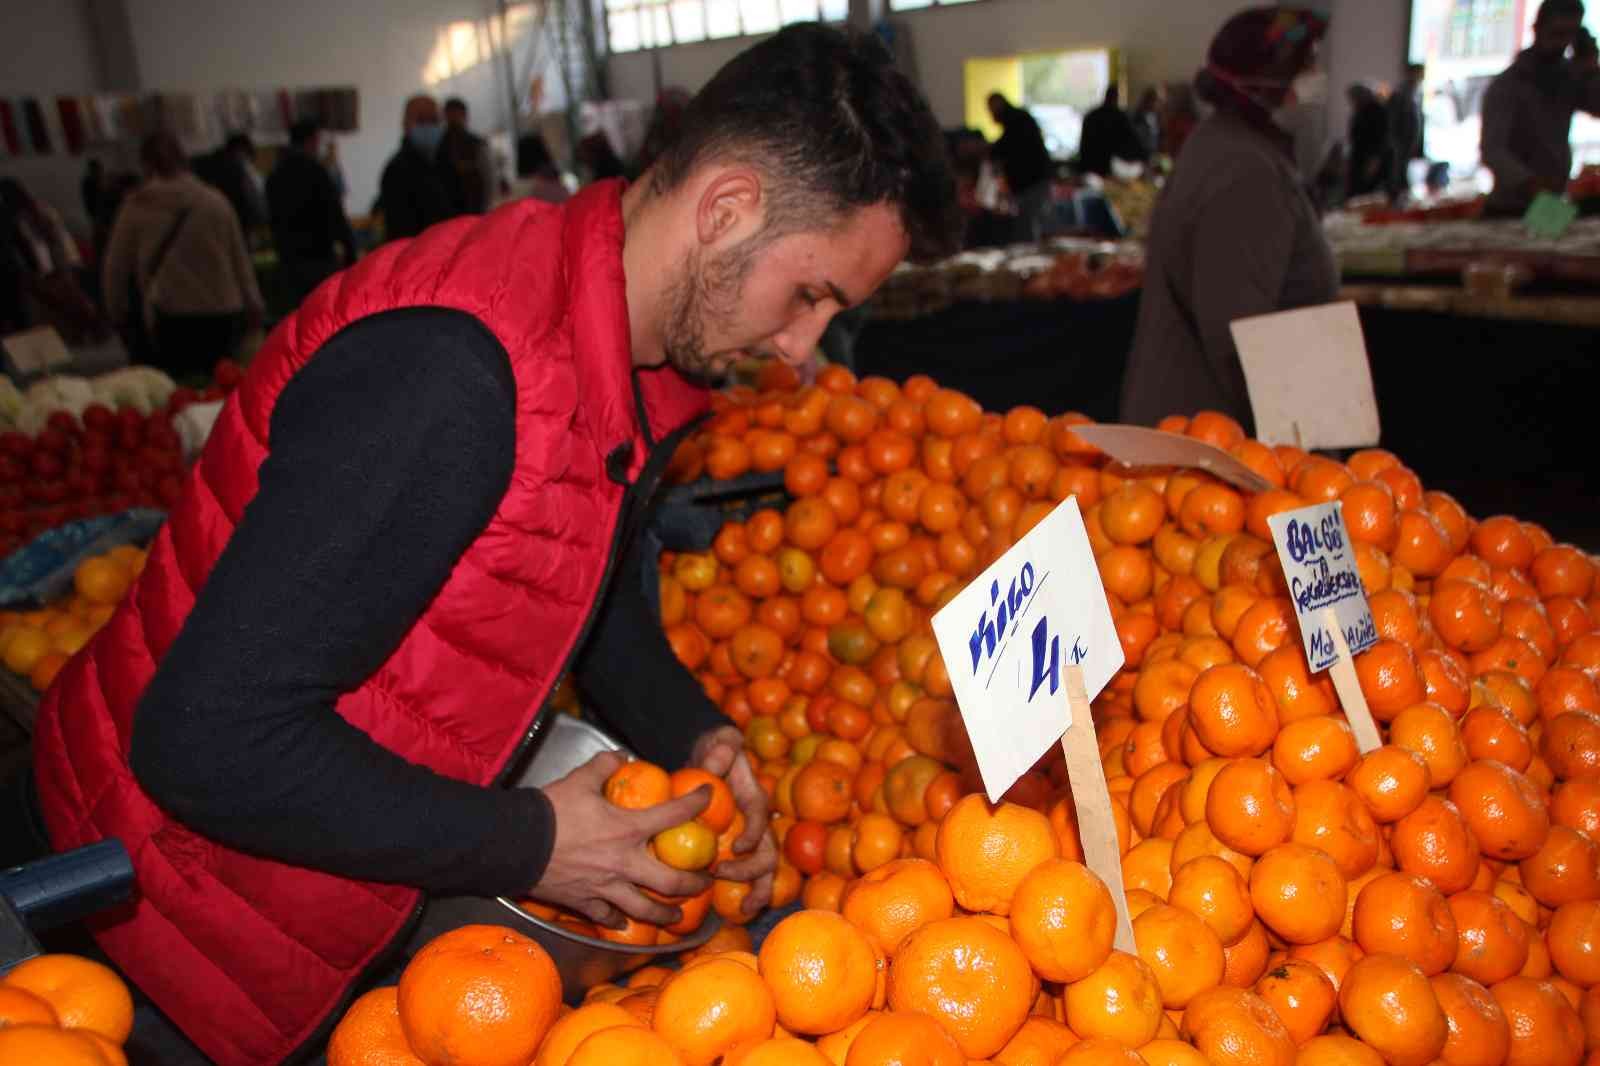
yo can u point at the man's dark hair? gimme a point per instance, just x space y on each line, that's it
301 132
240 142
1559 9
162 153
455 103
833 125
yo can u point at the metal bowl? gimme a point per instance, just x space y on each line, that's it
564 743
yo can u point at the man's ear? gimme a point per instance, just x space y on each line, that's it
730 204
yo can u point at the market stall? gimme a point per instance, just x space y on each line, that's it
807 622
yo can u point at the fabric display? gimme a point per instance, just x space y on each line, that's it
10 136
33 120
72 131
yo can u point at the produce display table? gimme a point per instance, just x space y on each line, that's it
1445 249
1485 398
1566 310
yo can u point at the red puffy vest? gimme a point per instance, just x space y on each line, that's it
250 956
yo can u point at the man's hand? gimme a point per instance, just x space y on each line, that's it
721 752
600 859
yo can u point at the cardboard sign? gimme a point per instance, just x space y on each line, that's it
1138 446
1007 636
1329 602
1550 216
35 351
1309 380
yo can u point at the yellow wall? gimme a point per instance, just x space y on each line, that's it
986 76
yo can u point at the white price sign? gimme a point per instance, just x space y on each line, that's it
1330 603
1320 565
1008 635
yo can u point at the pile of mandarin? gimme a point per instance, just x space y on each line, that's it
64 1010
1435 900
1295 902
36 644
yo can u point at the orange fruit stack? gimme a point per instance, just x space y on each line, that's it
65 1011
36 644
1434 900
1294 901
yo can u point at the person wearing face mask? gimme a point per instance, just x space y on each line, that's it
1235 233
1527 111
413 193
429 500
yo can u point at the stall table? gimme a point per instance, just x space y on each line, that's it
1488 399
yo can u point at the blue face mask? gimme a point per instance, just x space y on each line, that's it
425 138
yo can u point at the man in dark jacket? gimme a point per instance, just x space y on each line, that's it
232 170
1527 112
412 191
465 162
308 219
1370 166
456 445
1108 133
1024 161
1406 126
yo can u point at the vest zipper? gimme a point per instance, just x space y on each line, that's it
636 499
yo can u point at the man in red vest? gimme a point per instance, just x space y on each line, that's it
403 531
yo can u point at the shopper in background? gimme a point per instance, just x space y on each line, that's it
232 169
466 163
400 536
92 189
1234 234
1370 161
1406 127
178 240
598 159
1109 133
309 226
1147 120
1179 121
537 174
1024 162
48 260
412 192
1527 111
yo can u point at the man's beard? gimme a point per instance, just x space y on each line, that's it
706 292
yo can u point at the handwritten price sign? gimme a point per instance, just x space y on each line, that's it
1321 569
1008 635
1335 620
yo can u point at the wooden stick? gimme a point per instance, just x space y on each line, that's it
1097 828
1345 682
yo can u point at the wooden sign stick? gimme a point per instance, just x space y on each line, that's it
1345 682
1097 828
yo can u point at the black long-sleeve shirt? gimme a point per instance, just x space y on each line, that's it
390 452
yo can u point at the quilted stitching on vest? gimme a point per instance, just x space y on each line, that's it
248 955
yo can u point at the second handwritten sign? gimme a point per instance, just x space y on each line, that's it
1320 565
